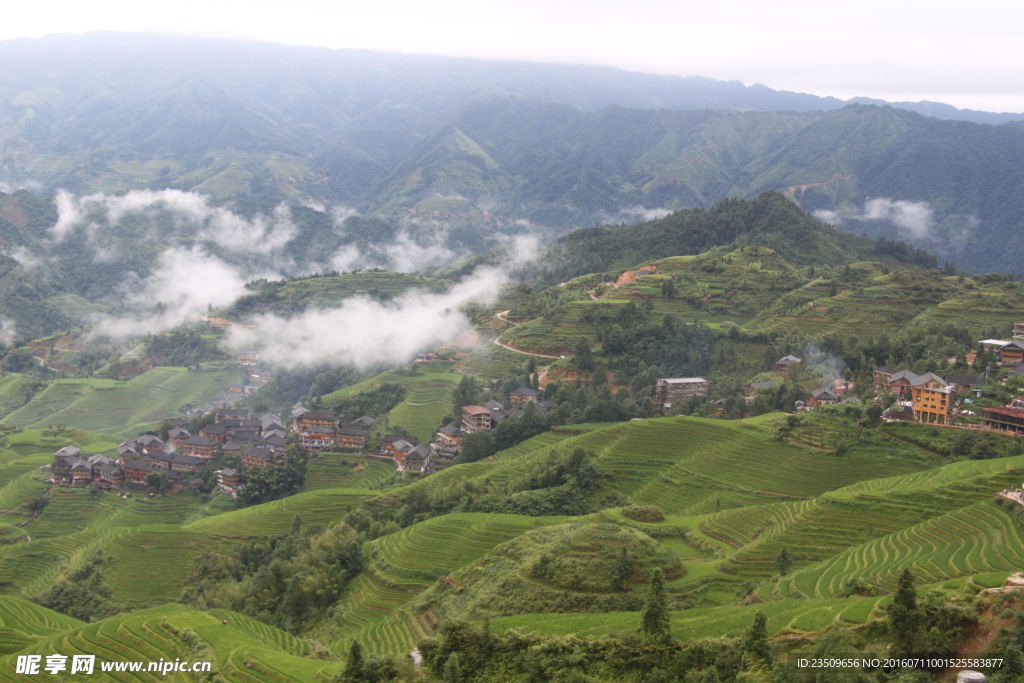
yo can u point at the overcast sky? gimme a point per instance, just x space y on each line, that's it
967 54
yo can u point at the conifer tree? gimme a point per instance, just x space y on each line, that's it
783 561
353 672
755 643
654 621
904 616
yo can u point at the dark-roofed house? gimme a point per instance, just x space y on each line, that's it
1008 418
824 397
475 418
315 419
68 452
150 443
449 436
215 432
352 436
413 461
1012 354
136 471
881 377
177 436
366 422
186 463
388 443
318 438
258 457
199 447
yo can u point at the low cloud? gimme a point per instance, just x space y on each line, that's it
25 257
914 219
641 213
7 187
261 234
363 332
8 330
184 285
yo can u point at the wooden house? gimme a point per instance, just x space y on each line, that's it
449 436
200 447
1012 354
259 457
932 399
352 436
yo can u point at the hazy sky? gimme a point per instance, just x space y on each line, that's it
966 54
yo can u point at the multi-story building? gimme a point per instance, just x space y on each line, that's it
669 390
932 398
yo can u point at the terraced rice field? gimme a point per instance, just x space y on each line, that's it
784 616
150 565
22 622
274 518
378 603
122 409
240 649
337 470
427 401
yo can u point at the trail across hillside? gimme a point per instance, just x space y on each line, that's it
503 317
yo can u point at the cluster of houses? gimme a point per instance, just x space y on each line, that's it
926 398
256 439
324 430
492 413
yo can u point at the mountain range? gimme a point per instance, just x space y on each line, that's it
495 146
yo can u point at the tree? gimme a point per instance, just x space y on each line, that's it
583 357
353 672
755 642
655 620
904 616
783 561
624 568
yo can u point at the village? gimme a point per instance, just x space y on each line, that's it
214 448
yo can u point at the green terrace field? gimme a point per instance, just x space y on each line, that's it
379 608
240 648
427 400
733 495
122 409
755 288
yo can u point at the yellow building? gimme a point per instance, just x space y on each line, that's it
932 399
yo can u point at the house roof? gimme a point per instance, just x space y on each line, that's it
320 415
451 429
887 369
682 380
1005 411
68 451
200 441
826 395
1013 346
365 421
525 391
966 380
178 433
140 465
353 430
787 360
493 405
476 410
215 428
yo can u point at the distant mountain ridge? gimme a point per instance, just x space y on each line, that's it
493 146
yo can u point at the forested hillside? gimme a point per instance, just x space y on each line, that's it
492 146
